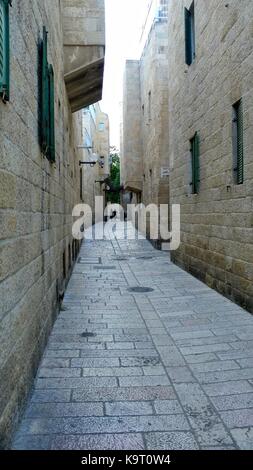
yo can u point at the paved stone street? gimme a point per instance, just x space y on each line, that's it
167 369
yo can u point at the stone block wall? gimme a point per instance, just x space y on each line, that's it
37 250
217 223
145 134
131 158
154 106
96 131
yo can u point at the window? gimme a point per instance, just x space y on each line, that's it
76 248
238 147
73 250
81 184
149 106
189 35
64 265
4 50
101 126
69 257
195 180
47 118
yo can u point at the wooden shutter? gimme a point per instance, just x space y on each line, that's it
188 37
240 149
4 50
195 164
197 169
44 96
47 117
51 115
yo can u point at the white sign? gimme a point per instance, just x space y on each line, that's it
165 172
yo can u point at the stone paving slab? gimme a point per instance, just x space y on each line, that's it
171 440
99 442
103 425
168 369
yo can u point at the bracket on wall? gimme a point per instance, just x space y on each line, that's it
84 147
92 164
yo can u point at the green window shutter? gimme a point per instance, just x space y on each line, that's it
47 111
240 146
51 115
197 168
4 50
195 153
188 37
44 96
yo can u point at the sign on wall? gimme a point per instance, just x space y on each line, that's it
165 172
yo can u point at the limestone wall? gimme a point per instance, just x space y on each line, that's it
37 251
145 135
132 128
217 224
154 104
96 132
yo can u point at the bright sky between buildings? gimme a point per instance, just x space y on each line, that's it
124 21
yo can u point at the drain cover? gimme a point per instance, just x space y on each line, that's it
86 334
89 261
144 257
104 267
140 290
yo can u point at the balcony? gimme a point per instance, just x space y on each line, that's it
84 51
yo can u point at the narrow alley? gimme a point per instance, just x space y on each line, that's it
115 115
129 369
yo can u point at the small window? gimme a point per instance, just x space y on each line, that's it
149 106
4 50
64 265
81 184
47 116
190 49
70 261
101 126
195 179
73 250
76 248
238 144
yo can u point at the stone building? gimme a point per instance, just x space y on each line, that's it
154 110
131 151
211 141
96 143
52 58
145 136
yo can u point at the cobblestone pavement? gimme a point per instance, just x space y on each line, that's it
167 369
